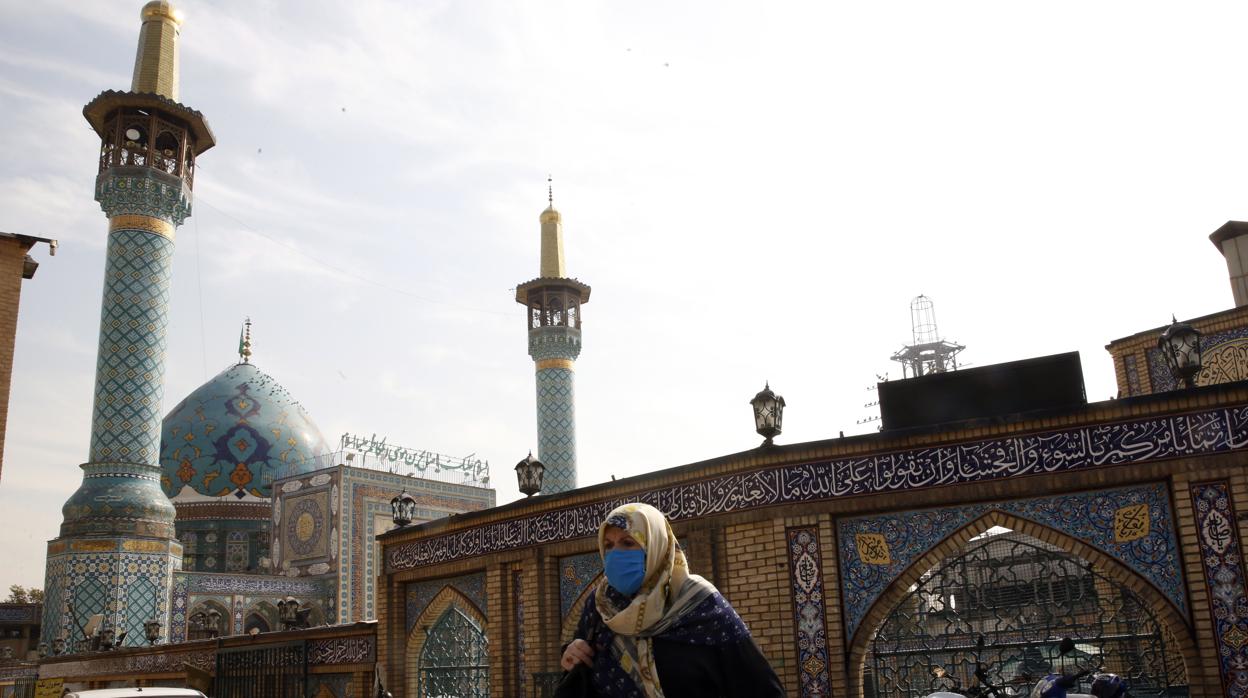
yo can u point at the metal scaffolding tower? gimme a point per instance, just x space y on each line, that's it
927 353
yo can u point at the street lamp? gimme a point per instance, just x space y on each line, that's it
529 473
768 413
403 509
1180 345
151 631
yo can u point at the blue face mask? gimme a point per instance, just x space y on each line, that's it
626 570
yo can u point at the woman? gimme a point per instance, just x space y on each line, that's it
652 629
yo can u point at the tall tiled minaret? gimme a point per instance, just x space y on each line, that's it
554 318
117 553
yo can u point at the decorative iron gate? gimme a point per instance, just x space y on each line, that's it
454 660
269 671
1022 595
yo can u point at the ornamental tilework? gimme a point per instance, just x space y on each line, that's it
576 573
128 588
517 597
178 599
985 460
18 614
143 192
130 365
1223 564
1134 385
329 686
366 498
806 579
237 551
1149 548
556 429
234 435
305 533
419 594
1224 358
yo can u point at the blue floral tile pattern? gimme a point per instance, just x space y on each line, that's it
809 611
1088 516
1223 560
419 594
576 572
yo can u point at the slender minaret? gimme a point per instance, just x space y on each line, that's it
116 553
554 302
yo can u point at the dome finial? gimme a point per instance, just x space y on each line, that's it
244 343
550 192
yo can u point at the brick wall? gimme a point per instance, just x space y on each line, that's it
746 553
12 258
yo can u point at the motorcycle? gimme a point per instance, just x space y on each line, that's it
1053 685
1058 685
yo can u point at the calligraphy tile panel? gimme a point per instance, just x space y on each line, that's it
1121 443
1223 565
1110 520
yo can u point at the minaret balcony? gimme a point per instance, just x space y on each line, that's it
144 130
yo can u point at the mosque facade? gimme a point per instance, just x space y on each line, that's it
859 563
208 520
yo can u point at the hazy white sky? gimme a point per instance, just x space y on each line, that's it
755 191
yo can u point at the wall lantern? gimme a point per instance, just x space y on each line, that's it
403 509
151 631
529 473
1180 345
214 622
768 414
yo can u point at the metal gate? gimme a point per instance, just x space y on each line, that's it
454 661
1022 596
269 671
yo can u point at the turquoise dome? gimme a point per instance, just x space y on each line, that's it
233 436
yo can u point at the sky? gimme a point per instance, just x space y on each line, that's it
755 192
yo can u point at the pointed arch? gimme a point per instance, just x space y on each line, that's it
261 615
225 621
1174 623
448 599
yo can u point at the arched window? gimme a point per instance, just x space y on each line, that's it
1020 594
454 660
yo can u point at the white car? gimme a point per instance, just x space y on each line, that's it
146 692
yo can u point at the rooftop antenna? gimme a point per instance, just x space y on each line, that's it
927 353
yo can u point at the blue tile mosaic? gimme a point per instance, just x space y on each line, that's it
1088 516
576 573
809 611
1223 565
556 429
419 594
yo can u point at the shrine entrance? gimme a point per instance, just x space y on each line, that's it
454 660
1022 596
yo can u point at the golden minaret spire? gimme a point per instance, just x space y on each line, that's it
156 63
552 237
